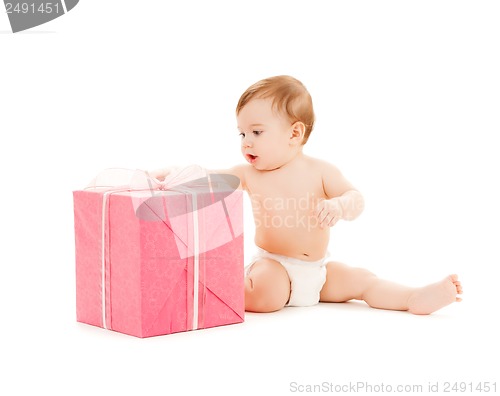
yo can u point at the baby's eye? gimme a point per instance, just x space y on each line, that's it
257 133
242 134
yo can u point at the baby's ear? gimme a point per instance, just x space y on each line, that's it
298 131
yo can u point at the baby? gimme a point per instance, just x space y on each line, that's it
295 200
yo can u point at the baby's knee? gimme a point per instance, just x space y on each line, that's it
267 289
259 300
364 274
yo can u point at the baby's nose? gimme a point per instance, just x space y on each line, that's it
246 142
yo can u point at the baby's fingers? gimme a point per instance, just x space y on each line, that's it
323 219
333 221
319 208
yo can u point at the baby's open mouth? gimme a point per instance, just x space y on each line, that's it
251 157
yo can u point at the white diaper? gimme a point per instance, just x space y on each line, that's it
306 277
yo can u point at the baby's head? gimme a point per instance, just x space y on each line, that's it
275 118
289 98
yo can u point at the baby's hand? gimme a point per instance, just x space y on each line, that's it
328 212
160 174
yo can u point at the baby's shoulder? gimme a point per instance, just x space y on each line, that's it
320 165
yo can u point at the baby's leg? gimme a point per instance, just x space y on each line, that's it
344 283
267 286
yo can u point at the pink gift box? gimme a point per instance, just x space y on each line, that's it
172 263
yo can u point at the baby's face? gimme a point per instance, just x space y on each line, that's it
265 135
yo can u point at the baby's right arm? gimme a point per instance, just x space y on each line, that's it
238 171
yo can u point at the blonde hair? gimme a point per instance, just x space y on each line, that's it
289 96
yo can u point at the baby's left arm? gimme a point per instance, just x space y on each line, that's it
344 201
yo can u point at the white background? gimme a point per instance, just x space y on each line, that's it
407 102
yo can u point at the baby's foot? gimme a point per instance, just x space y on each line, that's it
430 298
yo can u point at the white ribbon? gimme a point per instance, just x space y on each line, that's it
196 269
